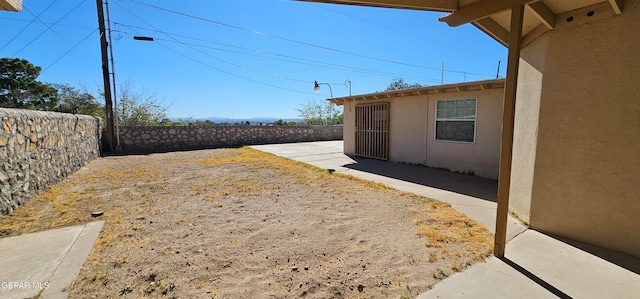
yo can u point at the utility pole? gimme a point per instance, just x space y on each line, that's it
106 75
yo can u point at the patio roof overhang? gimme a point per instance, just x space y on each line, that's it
11 5
439 89
513 23
493 16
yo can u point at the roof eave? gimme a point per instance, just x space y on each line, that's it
431 5
11 5
416 91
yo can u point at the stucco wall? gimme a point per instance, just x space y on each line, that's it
412 133
587 167
482 156
408 130
525 137
38 149
349 129
155 139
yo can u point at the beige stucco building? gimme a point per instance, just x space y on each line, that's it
570 153
456 126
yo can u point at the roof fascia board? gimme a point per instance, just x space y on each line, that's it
479 10
431 5
458 87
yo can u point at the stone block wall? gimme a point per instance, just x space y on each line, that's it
158 139
38 149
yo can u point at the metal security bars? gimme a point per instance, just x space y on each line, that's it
372 130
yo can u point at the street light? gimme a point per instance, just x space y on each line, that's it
316 87
143 38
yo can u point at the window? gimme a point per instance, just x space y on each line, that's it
456 120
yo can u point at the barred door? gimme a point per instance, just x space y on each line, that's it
372 130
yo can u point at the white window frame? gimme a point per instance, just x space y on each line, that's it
474 120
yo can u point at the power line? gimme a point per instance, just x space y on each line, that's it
322 65
43 32
232 74
68 51
449 46
38 18
225 61
369 22
298 42
315 63
25 27
208 65
46 23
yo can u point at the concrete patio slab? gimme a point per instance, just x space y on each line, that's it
540 266
45 262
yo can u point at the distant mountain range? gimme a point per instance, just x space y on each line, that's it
253 120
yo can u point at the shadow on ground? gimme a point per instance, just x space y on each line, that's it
626 261
470 185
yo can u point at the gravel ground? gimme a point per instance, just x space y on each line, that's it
231 223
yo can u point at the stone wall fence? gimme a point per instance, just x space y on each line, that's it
38 149
160 139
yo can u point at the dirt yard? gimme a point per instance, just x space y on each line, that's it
240 223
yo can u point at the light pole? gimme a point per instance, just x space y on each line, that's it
348 83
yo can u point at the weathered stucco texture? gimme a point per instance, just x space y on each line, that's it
412 132
587 163
482 157
525 136
38 149
157 139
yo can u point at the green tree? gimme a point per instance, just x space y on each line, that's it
20 89
322 113
139 108
72 100
398 83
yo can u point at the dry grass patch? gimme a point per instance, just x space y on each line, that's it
243 223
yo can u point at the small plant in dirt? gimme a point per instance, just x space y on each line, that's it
126 290
156 284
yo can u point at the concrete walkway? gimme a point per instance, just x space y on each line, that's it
45 262
536 265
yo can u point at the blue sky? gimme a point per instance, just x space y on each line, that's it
246 58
